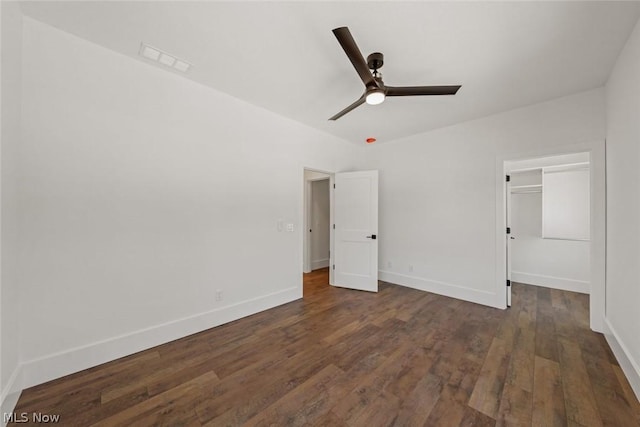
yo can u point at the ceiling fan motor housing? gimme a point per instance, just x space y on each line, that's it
375 61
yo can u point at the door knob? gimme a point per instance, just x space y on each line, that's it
372 237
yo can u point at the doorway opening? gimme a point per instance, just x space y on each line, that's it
548 215
319 224
317 230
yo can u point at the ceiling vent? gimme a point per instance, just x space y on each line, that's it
164 58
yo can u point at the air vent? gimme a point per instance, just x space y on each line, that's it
164 58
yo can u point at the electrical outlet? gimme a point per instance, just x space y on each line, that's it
290 227
218 295
280 225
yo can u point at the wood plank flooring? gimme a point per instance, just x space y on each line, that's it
348 358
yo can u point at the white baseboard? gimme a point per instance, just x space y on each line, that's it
629 366
441 288
319 263
77 359
562 283
11 394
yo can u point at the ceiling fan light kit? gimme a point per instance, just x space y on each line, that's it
374 96
375 89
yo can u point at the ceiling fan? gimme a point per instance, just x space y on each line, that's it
375 90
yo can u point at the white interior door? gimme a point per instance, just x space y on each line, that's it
356 228
509 238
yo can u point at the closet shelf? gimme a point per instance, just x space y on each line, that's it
534 188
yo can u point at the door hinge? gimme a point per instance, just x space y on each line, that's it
508 178
334 266
334 226
334 186
508 230
508 283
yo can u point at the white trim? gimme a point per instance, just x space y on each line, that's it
332 231
441 288
563 283
532 188
306 220
11 393
565 239
578 165
319 263
502 269
568 167
629 366
56 365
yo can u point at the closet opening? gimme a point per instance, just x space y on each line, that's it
548 212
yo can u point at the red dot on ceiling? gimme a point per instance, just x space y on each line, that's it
371 140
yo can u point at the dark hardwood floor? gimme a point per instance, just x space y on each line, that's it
339 357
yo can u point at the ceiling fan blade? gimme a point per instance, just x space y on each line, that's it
353 106
421 90
355 56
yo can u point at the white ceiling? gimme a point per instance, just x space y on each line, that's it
282 55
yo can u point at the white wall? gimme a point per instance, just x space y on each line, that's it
11 35
441 193
623 209
143 193
320 212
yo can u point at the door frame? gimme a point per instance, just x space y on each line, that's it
508 237
597 171
305 220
